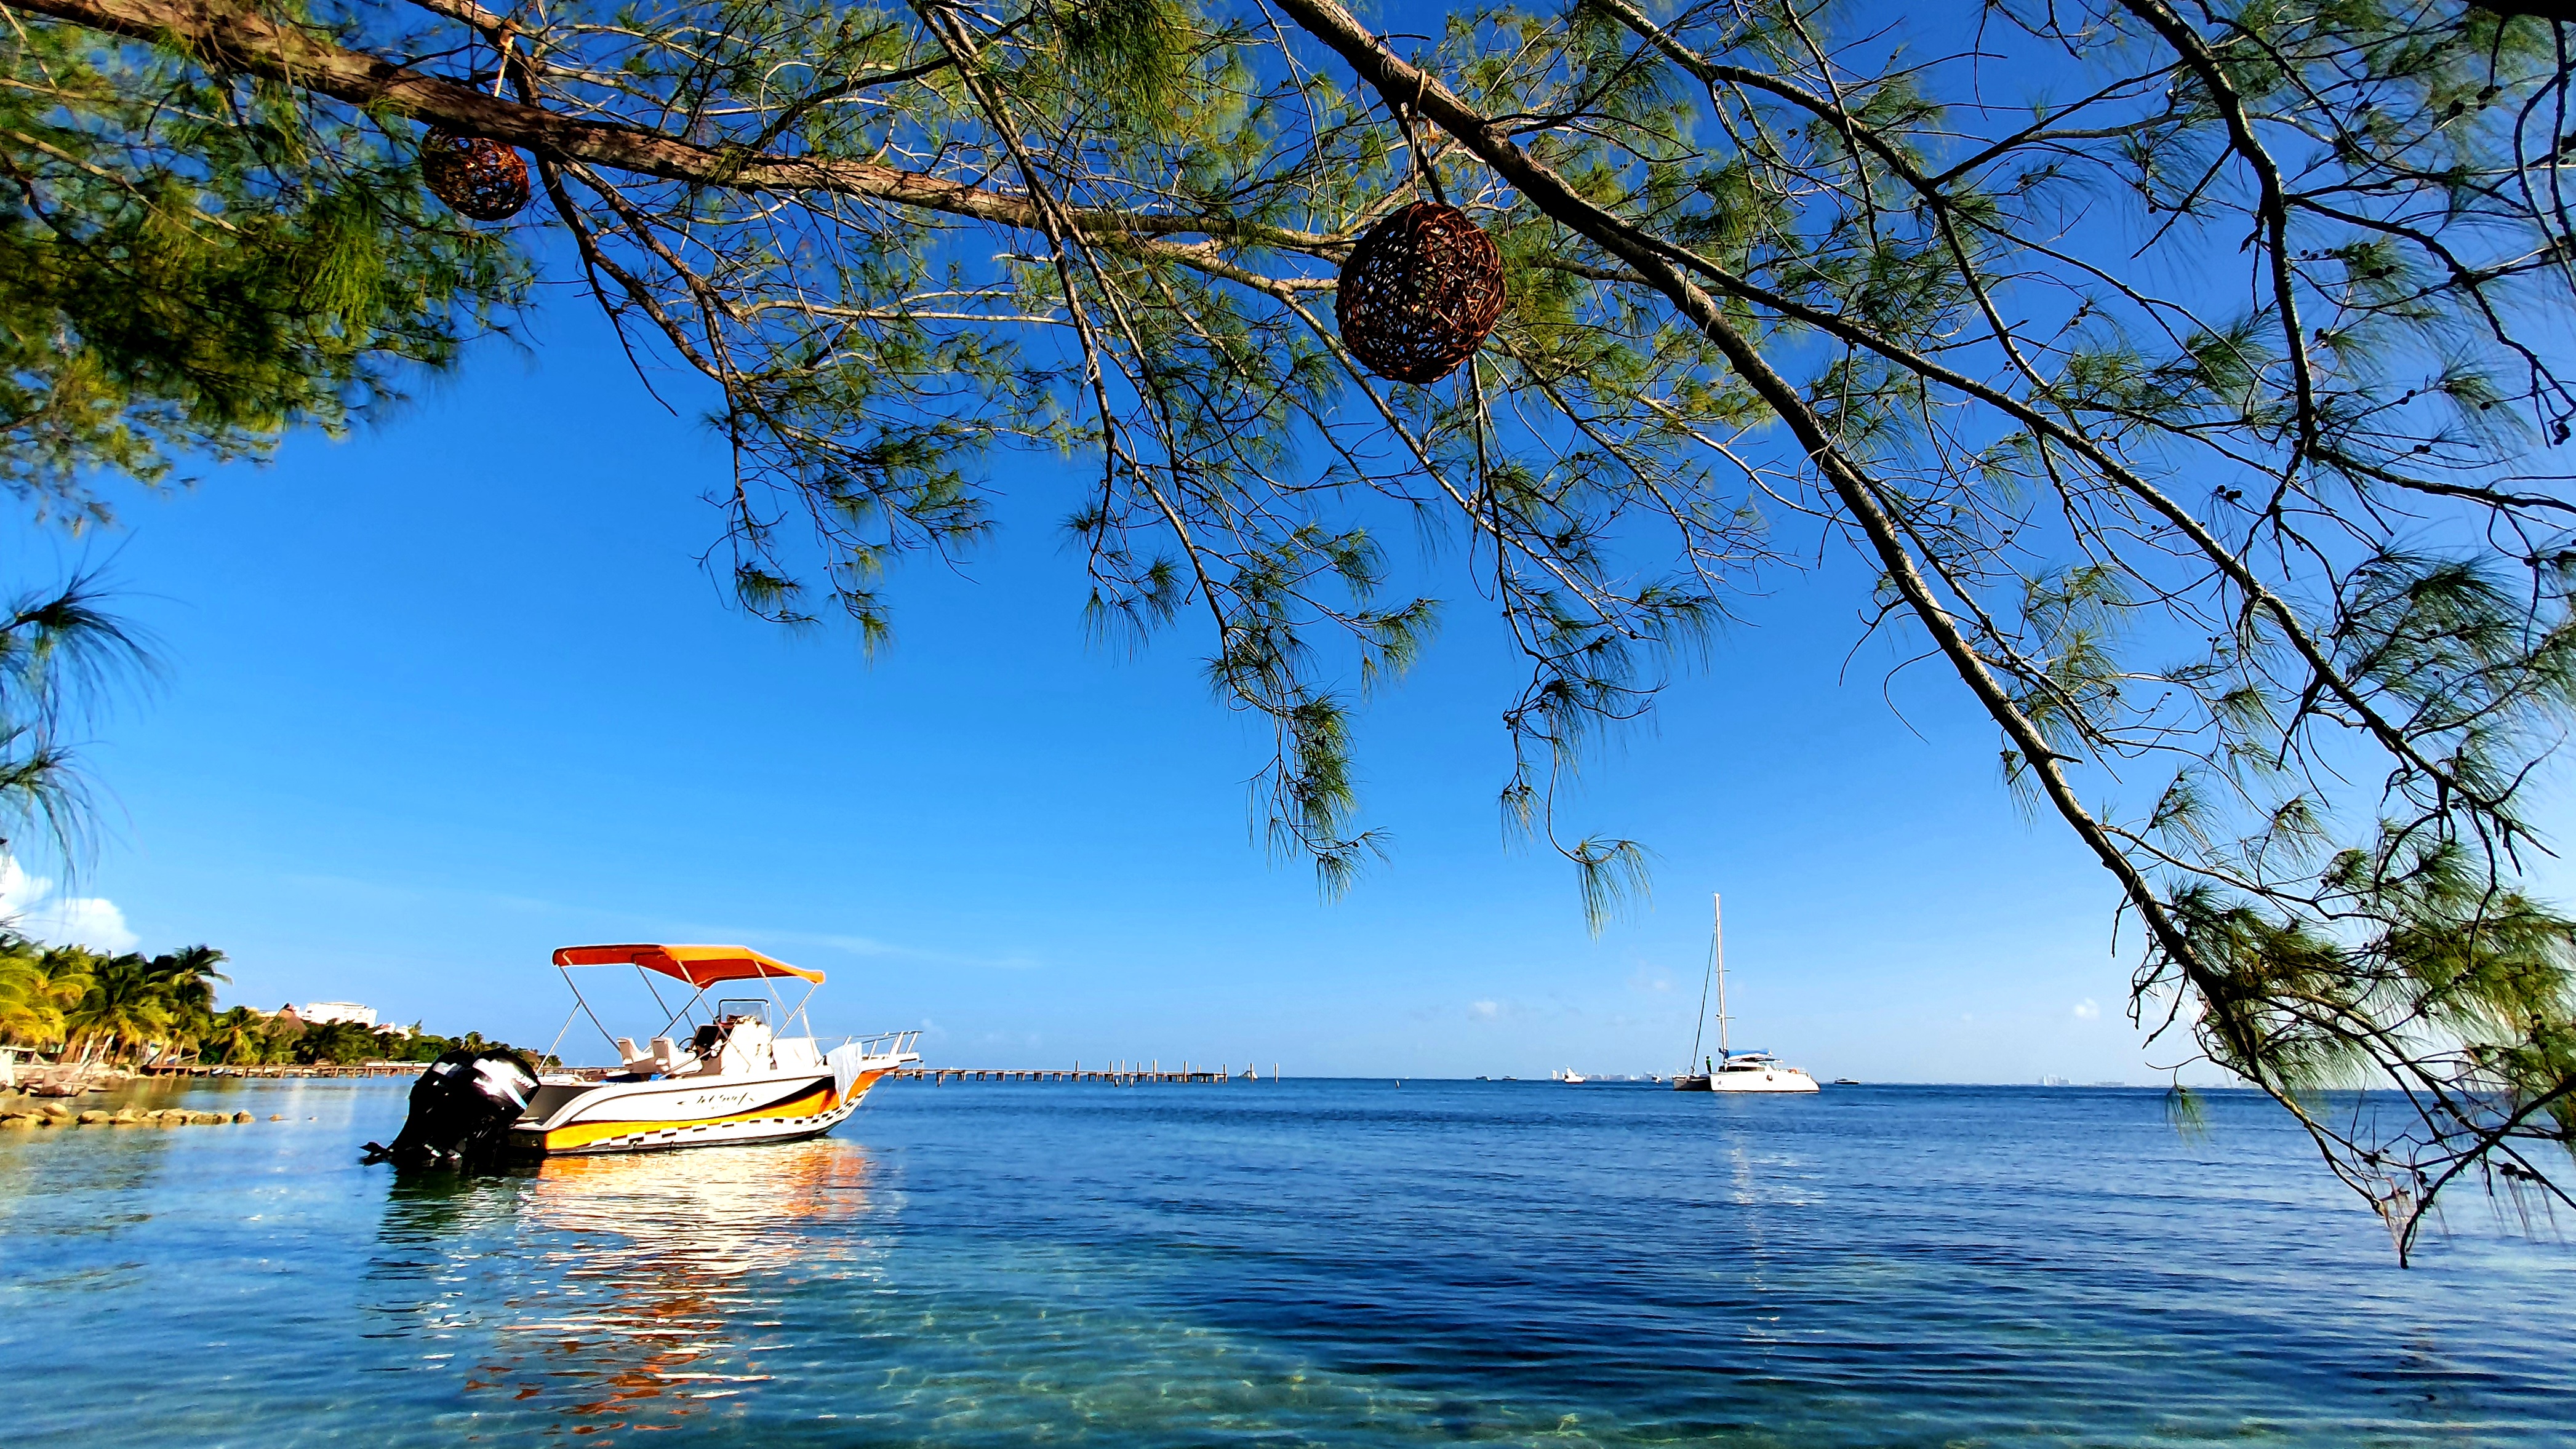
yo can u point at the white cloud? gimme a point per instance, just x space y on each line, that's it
1484 1010
29 905
2088 1010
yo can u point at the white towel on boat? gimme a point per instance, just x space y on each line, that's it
844 1061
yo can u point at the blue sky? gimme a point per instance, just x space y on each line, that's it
455 691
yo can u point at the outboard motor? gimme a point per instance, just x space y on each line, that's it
461 1110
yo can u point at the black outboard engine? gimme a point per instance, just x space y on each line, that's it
461 1110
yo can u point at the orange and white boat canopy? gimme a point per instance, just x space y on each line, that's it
700 966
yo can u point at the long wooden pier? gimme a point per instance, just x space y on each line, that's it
1113 1076
283 1069
936 1076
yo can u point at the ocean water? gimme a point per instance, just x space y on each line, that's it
1345 1263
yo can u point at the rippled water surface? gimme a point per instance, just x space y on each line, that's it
1330 1263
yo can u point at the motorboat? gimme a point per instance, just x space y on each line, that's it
735 1070
1732 1071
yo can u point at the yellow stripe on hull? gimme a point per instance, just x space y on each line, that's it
815 1112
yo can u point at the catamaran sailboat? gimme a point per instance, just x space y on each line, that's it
1732 1071
746 1073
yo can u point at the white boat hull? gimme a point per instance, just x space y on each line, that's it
659 1115
1762 1079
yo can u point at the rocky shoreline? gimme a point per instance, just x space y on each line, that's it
55 1114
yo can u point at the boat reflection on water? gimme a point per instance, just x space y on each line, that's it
726 1213
644 1288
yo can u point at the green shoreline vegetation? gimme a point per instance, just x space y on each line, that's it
89 1008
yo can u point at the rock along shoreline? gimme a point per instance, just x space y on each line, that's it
55 1114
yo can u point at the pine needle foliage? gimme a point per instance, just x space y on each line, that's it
61 653
196 262
2190 378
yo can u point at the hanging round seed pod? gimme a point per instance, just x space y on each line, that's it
1419 293
480 178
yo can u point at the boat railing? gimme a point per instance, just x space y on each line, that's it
885 1043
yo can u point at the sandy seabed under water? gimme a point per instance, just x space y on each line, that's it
1283 1263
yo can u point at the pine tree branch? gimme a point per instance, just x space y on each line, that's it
2274 211
1654 260
235 37
2272 207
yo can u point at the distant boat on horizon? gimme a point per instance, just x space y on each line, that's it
1732 1071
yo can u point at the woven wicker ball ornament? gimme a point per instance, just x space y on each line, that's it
1419 293
480 178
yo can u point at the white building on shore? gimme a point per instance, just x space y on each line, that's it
314 1013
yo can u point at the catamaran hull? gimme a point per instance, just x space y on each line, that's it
1776 1079
662 1115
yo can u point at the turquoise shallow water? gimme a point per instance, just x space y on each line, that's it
1328 1263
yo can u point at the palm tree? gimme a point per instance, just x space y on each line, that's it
125 1006
190 975
52 983
34 998
110 1006
329 1042
185 981
236 1036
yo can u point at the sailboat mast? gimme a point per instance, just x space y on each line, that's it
1699 1023
1696 1028
1717 949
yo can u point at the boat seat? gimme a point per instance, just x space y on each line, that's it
671 1060
629 1057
